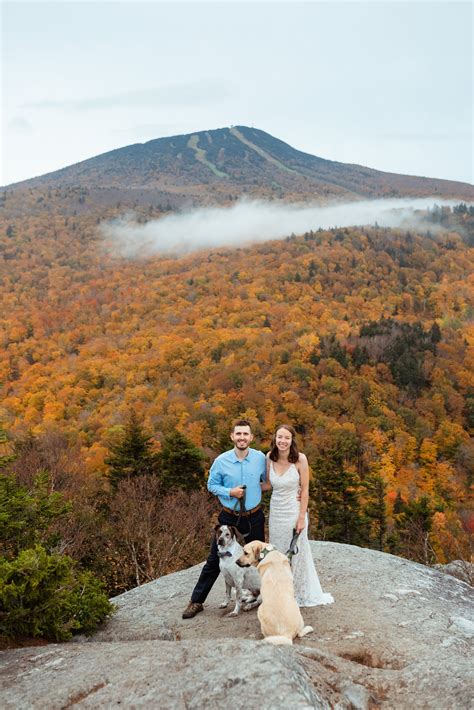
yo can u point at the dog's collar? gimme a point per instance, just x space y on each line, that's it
266 550
224 554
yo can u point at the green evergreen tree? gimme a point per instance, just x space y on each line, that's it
45 594
26 516
331 348
399 504
412 529
338 492
42 593
132 455
407 372
5 456
338 503
180 463
375 510
360 356
469 408
435 333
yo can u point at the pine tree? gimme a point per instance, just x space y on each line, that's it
435 333
6 456
180 463
399 504
412 531
338 493
375 510
132 455
339 511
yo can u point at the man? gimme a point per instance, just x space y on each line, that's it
235 478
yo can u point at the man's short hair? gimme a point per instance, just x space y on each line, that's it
241 422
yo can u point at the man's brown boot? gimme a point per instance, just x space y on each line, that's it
192 609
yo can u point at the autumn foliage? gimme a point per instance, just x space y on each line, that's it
363 338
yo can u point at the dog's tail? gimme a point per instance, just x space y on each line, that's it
279 640
305 630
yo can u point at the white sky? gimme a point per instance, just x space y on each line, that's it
383 84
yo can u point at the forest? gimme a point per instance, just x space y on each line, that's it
120 379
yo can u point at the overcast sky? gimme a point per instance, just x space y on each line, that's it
382 84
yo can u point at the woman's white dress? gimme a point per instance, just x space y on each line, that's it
284 513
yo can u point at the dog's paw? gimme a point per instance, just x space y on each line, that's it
223 605
247 598
305 630
233 613
251 605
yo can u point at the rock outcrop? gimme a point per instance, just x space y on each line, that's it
399 635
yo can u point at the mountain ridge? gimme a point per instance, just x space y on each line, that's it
226 163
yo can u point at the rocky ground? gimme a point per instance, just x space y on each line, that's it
399 635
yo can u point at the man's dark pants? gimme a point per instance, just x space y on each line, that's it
252 526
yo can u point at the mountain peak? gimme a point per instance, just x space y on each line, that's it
225 163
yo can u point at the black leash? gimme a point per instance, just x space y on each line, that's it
293 548
242 511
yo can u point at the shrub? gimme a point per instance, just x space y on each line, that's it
148 536
44 594
26 516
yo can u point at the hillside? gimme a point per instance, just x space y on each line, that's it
363 337
224 164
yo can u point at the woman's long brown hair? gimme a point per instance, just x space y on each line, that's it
294 454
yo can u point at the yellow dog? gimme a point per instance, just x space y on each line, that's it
279 614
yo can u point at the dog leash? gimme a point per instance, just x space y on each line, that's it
242 511
293 549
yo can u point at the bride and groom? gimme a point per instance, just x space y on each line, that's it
237 477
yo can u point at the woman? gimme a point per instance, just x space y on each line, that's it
288 474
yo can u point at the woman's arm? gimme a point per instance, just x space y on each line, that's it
267 485
303 470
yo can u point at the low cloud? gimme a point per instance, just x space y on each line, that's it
173 95
21 125
249 222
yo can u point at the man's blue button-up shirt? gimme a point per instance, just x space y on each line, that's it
228 471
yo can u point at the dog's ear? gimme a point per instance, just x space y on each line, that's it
216 527
238 535
257 547
249 550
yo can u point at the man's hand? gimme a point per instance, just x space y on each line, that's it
237 492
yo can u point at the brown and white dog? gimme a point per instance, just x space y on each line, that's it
279 614
245 581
